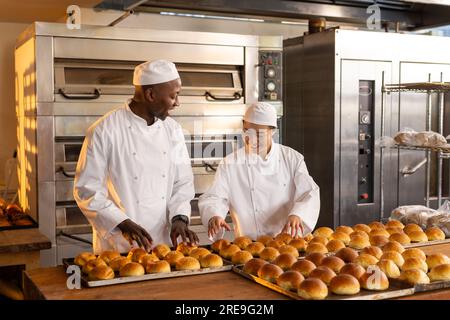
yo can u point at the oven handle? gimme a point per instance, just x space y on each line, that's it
236 96
66 174
94 96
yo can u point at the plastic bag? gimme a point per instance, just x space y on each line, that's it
406 137
409 137
413 214
441 219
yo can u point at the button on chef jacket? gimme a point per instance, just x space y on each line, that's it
261 193
128 169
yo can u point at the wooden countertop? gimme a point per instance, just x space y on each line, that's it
13 241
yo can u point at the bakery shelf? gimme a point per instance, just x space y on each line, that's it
419 87
445 151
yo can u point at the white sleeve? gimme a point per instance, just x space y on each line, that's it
90 185
215 201
307 198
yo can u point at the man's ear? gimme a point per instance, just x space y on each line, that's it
149 94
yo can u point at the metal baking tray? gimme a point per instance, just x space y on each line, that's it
396 289
435 285
428 243
32 224
151 276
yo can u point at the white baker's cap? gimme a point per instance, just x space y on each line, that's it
261 113
154 72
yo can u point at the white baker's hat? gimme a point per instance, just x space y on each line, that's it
261 113
154 72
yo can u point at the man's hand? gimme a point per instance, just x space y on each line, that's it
180 228
294 224
214 225
134 232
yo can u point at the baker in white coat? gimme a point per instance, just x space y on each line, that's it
264 185
134 181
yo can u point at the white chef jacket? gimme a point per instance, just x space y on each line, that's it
261 193
128 169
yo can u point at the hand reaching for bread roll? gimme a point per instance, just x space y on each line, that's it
180 228
214 225
134 232
294 225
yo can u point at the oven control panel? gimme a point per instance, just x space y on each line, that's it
270 73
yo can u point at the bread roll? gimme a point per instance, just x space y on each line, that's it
308 237
270 272
264 239
323 232
299 244
312 289
389 268
379 232
252 266
274 243
228 251
436 259
188 263
242 242
117 263
358 242
414 253
255 248
394 224
375 280
82 258
91 264
362 227
161 266
335 245
366 260
393 246
147 259
304 267
290 280
401 238
394 256
414 276
241 257
359 233
333 262
161 250
347 254
411 227
391 231
319 239
323 273
197 253
101 273
440 272
345 229
288 249
315 257
269 254
434 233
219 244
284 261
132 269
316 247
415 263
378 241
418 236
342 236
373 251
211 261
344 284
353 269
284 237
376 225
107 256
186 248
172 257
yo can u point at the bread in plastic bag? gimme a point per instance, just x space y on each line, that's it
413 214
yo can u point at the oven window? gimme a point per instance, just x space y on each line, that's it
71 152
206 79
98 76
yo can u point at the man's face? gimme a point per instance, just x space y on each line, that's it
163 97
257 138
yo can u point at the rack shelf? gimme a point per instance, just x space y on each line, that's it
418 87
445 151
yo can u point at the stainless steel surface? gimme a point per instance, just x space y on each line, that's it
428 152
407 171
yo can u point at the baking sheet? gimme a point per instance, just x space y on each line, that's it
435 285
428 243
10 226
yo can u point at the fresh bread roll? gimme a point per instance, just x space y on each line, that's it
353 269
299 244
344 284
394 224
264 239
172 257
358 242
274 243
136 254
392 230
101 273
393 246
415 263
188 263
414 276
132 269
414 253
312 289
252 266
108 255
147 259
186 248
316 247
440 272
394 256
418 236
378 241
401 238
411 227
376 225
319 239
347 254
117 263
285 261
359 233
375 280
335 245
362 227
211 261
161 266
323 273
315 257
373 251
241 257
290 280
305 267
434 233
308 237
333 262
242 242
255 248
270 272
284 237
389 268
366 260
228 251
323 232
82 258
219 244
161 250
197 253
436 259
379 232
342 236
344 229
269 254
91 264
288 249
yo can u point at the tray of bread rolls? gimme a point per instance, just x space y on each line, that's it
111 267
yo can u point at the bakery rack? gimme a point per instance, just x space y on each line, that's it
428 88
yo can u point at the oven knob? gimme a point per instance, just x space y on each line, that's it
270 72
364 196
270 86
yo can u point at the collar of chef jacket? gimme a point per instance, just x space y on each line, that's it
268 166
139 122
